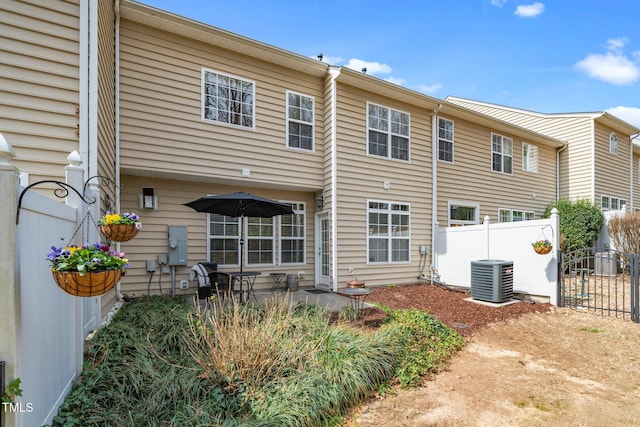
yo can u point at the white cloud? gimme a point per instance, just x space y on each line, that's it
498 3
628 114
616 45
611 68
373 68
529 10
429 89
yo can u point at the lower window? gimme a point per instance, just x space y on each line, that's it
463 214
388 232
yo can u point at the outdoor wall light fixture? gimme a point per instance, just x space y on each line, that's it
148 199
320 201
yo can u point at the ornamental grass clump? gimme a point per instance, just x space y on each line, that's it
87 258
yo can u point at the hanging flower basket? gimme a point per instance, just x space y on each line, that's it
120 227
119 232
87 285
87 271
542 247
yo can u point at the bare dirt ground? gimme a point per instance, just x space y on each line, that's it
523 365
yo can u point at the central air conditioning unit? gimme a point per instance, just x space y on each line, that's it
492 280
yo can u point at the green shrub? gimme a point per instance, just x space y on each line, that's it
580 223
426 343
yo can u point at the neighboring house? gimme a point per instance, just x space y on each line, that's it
596 165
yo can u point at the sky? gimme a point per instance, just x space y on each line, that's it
556 56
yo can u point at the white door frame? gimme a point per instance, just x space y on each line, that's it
322 252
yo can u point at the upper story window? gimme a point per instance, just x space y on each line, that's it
299 121
501 153
388 232
463 213
613 143
387 132
227 99
529 157
445 140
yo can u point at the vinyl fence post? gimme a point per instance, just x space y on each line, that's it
555 227
486 224
9 279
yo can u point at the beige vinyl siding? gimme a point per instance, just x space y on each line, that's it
106 115
470 178
635 167
361 178
39 84
612 174
152 239
161 126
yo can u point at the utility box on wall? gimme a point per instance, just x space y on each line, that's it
177 245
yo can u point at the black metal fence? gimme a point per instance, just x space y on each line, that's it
601 280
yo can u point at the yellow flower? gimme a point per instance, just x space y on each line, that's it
112 218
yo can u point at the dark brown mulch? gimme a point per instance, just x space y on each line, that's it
447 305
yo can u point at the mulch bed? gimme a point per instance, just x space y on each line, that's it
448 305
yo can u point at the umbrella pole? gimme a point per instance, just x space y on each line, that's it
241 242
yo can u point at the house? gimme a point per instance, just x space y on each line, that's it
172 110
598 163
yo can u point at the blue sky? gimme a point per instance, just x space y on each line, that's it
549 56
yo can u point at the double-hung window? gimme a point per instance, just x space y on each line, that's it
501 153
299 121
445 140
227 99
224 240
260 241
388 232
387 132
292 235
529 157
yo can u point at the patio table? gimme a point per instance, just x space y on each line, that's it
248 277
357 297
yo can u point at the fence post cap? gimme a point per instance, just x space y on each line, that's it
6 151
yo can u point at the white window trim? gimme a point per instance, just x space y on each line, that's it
503 138
389 133
210 236
389 237
272 238
447 140
203 101
304 235
534 154
313 126
511 211
474 205
613 143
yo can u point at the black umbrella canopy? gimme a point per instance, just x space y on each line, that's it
240 204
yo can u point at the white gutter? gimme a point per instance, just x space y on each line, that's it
334 73
83 85
116 9
434 188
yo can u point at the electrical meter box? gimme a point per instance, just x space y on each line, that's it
177 245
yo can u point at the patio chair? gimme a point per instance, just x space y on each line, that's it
210 280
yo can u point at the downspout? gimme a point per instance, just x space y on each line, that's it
631 180
116 9
334 73
564 147
434 192
593 161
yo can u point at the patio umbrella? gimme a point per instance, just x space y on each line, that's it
240 205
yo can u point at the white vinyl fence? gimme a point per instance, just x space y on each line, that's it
42 328
533 274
